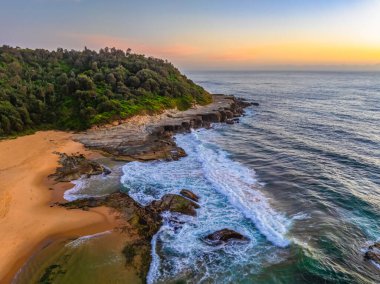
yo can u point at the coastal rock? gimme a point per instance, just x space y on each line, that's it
223 116
224 236
241 103
196 123
212 117
229 114
177 153
174 203
230 121
189 194
141 218
74 166
151 137
373 253
145 138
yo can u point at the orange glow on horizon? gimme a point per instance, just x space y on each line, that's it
282 53
303 53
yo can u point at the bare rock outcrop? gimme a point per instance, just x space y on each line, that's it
189 194
174 203
373 253
224 236
150 137
74 166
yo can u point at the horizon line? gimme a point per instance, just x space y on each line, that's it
375 67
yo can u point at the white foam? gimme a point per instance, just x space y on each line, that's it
79 241
301 216
94 186
155 263
154 272
377 265
238 183
178 246
74 192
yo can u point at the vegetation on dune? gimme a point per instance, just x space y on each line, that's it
65 89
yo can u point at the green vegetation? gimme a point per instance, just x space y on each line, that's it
41 89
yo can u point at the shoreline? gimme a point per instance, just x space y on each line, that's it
148 138
27 220
152 139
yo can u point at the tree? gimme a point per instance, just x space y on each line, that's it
73 89
85 83
133 81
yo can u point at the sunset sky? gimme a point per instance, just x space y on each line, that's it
204 34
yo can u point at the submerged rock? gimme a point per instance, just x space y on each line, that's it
174 203
373 253
189 194
224 236
74 166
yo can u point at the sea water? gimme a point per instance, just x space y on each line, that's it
299 176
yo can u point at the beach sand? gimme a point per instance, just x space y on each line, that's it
26 219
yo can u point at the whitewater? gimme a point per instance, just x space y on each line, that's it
231 197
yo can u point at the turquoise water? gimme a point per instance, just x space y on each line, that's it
299 176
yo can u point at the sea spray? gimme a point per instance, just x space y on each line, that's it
153 273
238 183
79 241
94 186
178 251
74 193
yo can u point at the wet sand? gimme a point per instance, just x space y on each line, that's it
26 219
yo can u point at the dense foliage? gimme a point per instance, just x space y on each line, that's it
76 89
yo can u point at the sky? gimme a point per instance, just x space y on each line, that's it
205 34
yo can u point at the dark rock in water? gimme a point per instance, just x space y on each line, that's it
375 246
373 253
74 166
230 121
189 194
224 236
243 103
174 203
177 153
255 104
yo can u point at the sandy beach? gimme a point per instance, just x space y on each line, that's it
26 218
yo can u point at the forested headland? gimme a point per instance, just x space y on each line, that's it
73 90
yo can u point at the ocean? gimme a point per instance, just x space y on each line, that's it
299 175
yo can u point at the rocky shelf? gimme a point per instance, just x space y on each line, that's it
145 138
